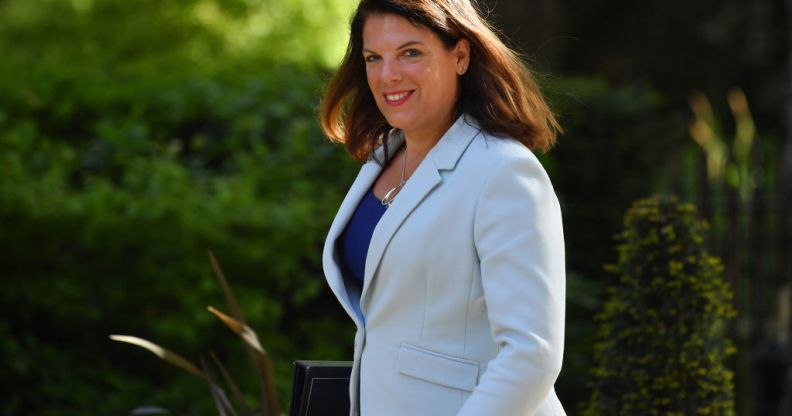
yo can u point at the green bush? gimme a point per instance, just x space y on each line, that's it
661 344
127 253
133 139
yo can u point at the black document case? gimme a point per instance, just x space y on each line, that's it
321 388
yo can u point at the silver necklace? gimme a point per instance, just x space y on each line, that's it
391 194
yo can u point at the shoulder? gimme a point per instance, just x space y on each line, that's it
496 156
508 175
515 192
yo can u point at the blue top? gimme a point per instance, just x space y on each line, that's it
353 244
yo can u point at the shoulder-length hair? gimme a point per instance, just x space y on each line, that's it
498 89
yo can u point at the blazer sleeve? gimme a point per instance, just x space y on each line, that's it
519 239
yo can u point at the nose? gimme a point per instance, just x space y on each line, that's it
390 71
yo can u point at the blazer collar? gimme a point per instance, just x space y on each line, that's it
447 151
452 145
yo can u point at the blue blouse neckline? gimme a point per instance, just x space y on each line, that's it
353 244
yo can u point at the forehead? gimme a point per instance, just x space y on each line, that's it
386 31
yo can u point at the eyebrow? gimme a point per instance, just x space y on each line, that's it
402 46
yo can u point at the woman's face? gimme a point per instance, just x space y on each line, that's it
414 78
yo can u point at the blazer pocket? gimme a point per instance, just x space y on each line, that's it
438 368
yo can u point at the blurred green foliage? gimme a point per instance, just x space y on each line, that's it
616 139
134 136
609 130
661 345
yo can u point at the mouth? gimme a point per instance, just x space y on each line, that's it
397 97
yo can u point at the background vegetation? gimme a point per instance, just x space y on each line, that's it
137 134
661 345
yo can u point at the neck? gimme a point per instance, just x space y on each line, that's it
420 142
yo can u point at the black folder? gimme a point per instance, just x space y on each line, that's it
321 388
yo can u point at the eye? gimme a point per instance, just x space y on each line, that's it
371 58
412 53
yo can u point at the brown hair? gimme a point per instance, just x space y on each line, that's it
498 90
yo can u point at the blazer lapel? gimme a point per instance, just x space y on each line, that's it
368 173
443 156
365 178
423 180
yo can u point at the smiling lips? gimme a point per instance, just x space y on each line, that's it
398 97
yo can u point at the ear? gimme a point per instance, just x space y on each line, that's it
462 54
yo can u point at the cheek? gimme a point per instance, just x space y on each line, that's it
431 73
372 81
444 80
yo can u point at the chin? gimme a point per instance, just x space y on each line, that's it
398 121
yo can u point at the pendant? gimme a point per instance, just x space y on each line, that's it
391 195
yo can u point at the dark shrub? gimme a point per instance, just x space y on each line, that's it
661 344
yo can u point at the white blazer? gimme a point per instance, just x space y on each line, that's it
462 308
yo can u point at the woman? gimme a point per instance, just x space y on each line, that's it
447 251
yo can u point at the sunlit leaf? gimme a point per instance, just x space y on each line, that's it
241 329
163 353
